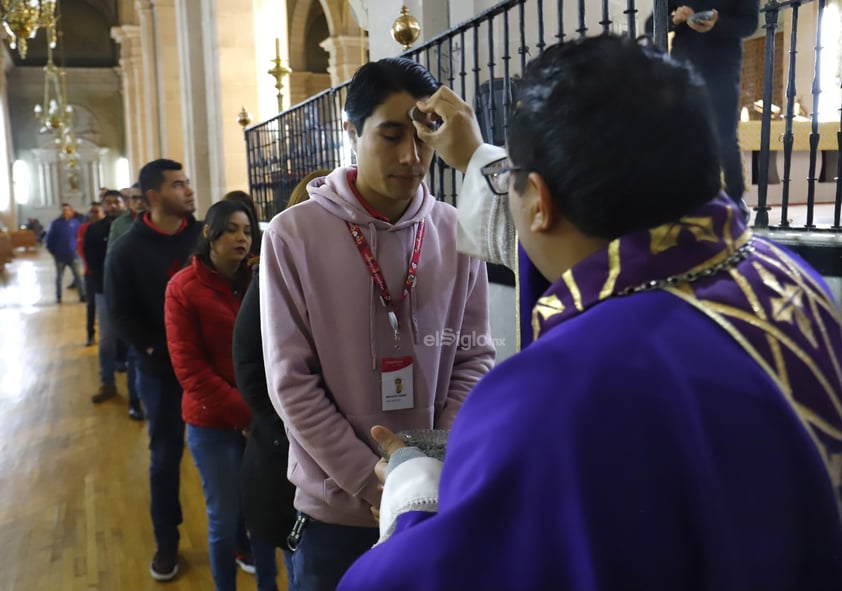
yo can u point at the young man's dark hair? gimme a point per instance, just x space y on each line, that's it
152 174
375 81
602 190
112 193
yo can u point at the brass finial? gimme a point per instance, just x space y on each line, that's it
279 72
406 29
243 117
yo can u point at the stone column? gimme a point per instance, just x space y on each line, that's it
219 67
196 93
151 140
303 85
131 56
347 54
170 129
8 210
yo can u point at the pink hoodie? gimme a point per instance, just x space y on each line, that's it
325 333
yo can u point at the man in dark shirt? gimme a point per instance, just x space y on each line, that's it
95 246
714 46
137 269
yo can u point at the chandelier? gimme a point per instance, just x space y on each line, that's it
23 18
55 114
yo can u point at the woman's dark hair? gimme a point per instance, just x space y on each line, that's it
376 81
217 220
622 135
256 233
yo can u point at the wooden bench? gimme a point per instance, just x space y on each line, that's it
25 239
5 249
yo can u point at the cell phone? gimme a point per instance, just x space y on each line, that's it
704 15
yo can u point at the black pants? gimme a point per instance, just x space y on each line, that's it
122 352
723 84
91 306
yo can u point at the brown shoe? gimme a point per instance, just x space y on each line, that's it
105 392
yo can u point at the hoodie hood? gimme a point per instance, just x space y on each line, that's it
335 193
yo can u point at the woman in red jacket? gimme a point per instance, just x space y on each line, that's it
201 305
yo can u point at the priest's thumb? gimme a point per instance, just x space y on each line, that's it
387 441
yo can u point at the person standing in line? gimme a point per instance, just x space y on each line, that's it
359 288
126 357
97 244
136 204
268 496
201 305
61 244
137 269
95 213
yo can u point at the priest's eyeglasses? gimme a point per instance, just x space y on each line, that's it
499 176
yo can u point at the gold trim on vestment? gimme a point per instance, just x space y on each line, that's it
613 270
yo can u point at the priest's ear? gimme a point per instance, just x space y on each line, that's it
543 211
351 130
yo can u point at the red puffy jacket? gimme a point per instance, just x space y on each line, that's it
200 308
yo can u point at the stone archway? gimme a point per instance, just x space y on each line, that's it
345 43
306 17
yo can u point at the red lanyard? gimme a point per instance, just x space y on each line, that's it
377 272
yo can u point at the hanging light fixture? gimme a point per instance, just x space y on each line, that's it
55 113
23 18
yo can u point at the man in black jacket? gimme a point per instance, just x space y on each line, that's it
137 270
95 245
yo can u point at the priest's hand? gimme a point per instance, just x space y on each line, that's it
389 443
458 135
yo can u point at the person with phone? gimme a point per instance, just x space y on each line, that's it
709 35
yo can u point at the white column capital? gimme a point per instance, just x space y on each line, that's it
347 54
125 34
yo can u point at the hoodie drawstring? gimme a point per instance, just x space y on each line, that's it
413 311
373 300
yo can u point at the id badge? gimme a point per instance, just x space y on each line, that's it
396 383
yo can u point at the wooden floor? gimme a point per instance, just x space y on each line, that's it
74 492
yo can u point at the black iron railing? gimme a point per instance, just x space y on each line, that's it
773 12
481 60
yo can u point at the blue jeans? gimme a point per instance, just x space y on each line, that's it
218 454
131 375
107 342
325 552
288 565
77 278
161 397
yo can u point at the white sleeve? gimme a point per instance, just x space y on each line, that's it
485 229
411 486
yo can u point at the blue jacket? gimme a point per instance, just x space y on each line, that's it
61 238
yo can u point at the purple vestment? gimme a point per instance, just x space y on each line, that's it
673 438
